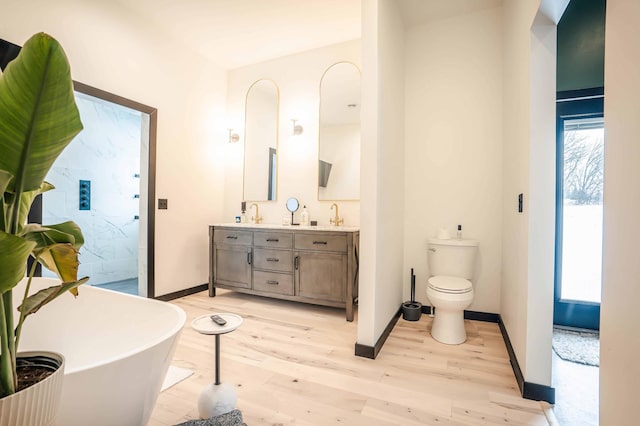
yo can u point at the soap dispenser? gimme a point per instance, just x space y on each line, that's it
304 216
243 214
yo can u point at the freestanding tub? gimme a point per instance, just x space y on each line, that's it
117 349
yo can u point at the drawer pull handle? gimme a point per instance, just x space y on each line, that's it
272 240
273 259
232 237
272 282
320 242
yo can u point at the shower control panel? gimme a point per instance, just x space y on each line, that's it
85 195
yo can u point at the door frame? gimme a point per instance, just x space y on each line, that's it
571 105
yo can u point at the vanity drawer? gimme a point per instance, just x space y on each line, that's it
321 242
273 282
273 240
273 260
226 236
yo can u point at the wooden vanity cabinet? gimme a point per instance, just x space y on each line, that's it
318 267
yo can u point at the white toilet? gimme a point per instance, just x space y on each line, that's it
449 289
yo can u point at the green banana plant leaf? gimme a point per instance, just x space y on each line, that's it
24 206
13 267
5 178
45 235
62 259
38 113
57 248
70 228
27 199
34 302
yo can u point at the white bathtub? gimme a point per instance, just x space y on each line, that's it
117 349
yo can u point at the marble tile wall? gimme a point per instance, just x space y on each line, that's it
106 152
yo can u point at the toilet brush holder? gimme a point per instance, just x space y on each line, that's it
412 310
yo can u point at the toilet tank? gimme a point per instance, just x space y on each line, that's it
456 258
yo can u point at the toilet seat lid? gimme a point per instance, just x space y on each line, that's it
446 284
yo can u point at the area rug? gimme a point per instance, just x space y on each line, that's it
175 375
232 418
582 347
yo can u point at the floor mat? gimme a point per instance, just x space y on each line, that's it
582 347
175 375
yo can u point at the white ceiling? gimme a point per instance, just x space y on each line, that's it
235 33
420 12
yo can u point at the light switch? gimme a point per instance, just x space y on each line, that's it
519 203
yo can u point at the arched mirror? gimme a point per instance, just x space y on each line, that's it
339 143
260 142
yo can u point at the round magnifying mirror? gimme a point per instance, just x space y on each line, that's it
292 204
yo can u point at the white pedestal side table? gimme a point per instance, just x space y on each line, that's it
217 398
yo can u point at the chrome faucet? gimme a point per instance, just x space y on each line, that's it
255 219
336 219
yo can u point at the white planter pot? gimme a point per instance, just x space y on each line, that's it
38 404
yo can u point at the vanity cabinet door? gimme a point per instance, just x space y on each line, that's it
321 276
232 265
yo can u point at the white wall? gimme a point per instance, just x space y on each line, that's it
518 17
529 168
298 79
542 200
619 316
453 153
382 175
107 49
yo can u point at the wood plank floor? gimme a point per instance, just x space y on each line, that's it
293 363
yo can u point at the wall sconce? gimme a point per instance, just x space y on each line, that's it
233 137
297 128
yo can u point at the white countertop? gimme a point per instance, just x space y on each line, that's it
289 227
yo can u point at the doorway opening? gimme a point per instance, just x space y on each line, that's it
578 258
105 182
579 194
